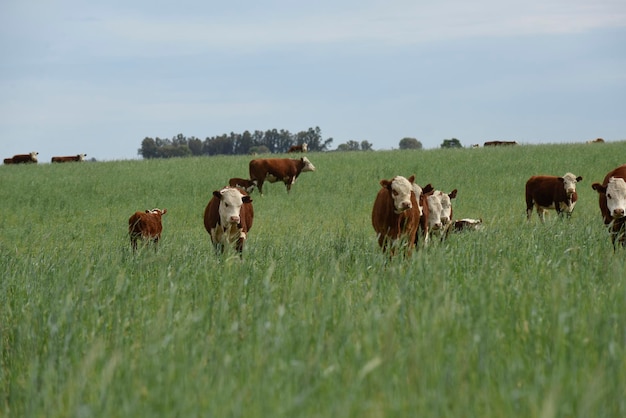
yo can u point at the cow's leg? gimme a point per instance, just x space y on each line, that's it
529 208
259 185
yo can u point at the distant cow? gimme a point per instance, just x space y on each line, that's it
68 159
612 202
22 158
278 169
298 148
440 211
467 224
245 184
551 192
596 141
146 225
228 218
396 215
499 143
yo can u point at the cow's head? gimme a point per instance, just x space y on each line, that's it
615 192
400 189
446 205
231 200
307 165
305 147
436 210
33 156
569 181
157 211
81 157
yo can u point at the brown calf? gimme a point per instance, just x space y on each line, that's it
245 184
146 225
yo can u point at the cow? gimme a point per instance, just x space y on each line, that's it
551 192
421 195
245 184
466 224
612 202
596 141
440 211
68 159
396 214
278 169
22 158
298 148
228 218
499 143
146 225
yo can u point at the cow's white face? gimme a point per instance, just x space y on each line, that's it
33 156
616 197
436 210
81 157
307 165
446 207
231 201
569 183
418 193
401 189
157 211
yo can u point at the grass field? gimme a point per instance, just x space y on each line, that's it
521 319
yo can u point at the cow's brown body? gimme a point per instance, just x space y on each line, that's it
22 159
69 158
233 229
298 148
616 224
278 169
424 227
548 192
395 226
245 184
499 143
145 225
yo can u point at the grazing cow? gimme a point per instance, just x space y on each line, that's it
396 214
551 192
22 158
245 184
612 202
278 169
146 225
499 143
467 224
298 148
68 159
228 218
596 141
440 211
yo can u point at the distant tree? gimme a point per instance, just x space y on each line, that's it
410 143
195 145
149 148
313 138
366 146
259 149
451 143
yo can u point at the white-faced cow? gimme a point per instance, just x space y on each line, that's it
228 218
612 202
278 169
298 148
396 214
69 158
551 192
245 184
22 158
440 211
146 225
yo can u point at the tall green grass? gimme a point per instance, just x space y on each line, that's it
519 319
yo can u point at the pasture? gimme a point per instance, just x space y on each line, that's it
521 319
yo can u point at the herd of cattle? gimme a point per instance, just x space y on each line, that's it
31 158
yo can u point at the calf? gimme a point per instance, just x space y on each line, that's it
146 225
396 214
440 211
278 169
228 218
612 202
467 224
551 192
245 184
22 158
298 148
68 159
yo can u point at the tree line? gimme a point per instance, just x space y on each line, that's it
257 142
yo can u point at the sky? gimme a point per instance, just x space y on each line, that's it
98 77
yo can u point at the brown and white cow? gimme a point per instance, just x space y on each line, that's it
22 158
551 192
596 141
228 218
421 195
145 225
245 184
69 158
499 143
278 169
467 224
440 211
396 214
298 148
612 202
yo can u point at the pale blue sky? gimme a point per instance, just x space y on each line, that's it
97 77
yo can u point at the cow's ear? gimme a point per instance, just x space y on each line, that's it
246 199
385 183
217 194
598 188
412 179
147 211
164 211
579 179
561 179
427 189
452 194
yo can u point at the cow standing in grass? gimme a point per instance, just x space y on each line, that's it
22 158
69 158
278 169
228 218
612 202
147 226
551 192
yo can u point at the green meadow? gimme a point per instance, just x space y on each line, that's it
519 319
